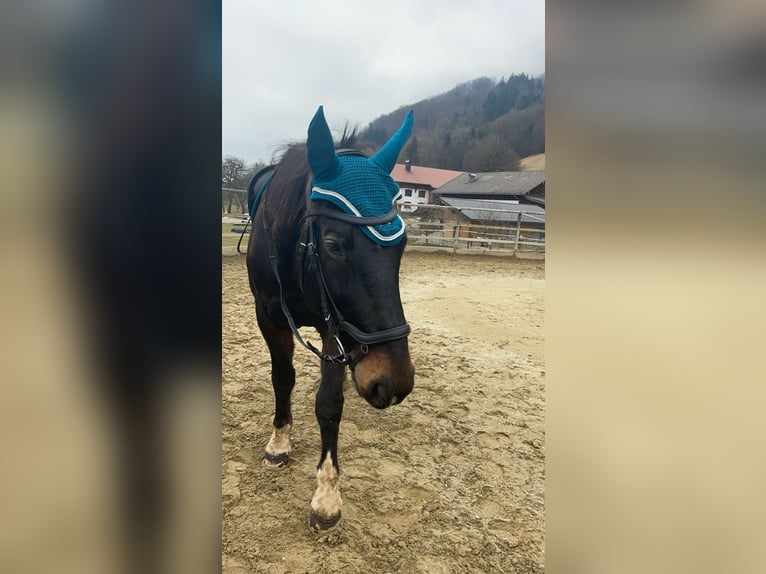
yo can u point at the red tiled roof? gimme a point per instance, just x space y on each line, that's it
423 176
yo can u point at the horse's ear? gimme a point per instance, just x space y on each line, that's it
321 149
386 157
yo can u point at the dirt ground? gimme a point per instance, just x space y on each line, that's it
449 481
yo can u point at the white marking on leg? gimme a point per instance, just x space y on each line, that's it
326 502
280 441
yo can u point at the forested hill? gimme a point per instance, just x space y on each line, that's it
481 125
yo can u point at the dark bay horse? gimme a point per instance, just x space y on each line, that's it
324 251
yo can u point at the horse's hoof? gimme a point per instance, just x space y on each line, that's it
276 460
318 524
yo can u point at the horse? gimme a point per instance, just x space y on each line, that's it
324 251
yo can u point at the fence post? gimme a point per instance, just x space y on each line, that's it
457 231
518 230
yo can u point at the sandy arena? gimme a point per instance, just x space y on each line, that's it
450 481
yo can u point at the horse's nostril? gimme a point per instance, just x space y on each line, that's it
380 394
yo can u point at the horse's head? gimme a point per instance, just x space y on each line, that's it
359 240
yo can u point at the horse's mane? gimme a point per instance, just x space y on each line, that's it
349 137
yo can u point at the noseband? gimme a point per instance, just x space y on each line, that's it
312 264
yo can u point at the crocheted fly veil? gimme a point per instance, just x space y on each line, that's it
359 186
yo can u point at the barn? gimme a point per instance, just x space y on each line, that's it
495 208
521 186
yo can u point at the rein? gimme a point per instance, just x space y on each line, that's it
312 263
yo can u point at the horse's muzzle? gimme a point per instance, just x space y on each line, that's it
384 379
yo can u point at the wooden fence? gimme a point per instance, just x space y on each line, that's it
494 231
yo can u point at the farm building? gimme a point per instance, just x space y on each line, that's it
521 186
417 183
493 221
498 212
503 210
492 208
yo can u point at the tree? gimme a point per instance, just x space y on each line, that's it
411 151
483 123
523 130
491 153
460 143
232 170
244 181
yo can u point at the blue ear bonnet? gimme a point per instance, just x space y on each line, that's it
363 188
357 185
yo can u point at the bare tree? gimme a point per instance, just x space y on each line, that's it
232 170
491 153
244 181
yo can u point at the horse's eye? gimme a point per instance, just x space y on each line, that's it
333 248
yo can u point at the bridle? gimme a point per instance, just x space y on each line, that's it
312 263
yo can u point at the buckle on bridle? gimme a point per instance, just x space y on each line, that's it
340 346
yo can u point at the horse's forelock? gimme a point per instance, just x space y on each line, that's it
350 138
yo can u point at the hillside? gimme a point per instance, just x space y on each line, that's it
533 162
481 125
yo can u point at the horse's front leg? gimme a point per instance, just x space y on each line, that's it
281 346
326 503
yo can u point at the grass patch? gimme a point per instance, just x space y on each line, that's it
231 241
230 237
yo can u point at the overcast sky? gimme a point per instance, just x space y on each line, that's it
360 59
